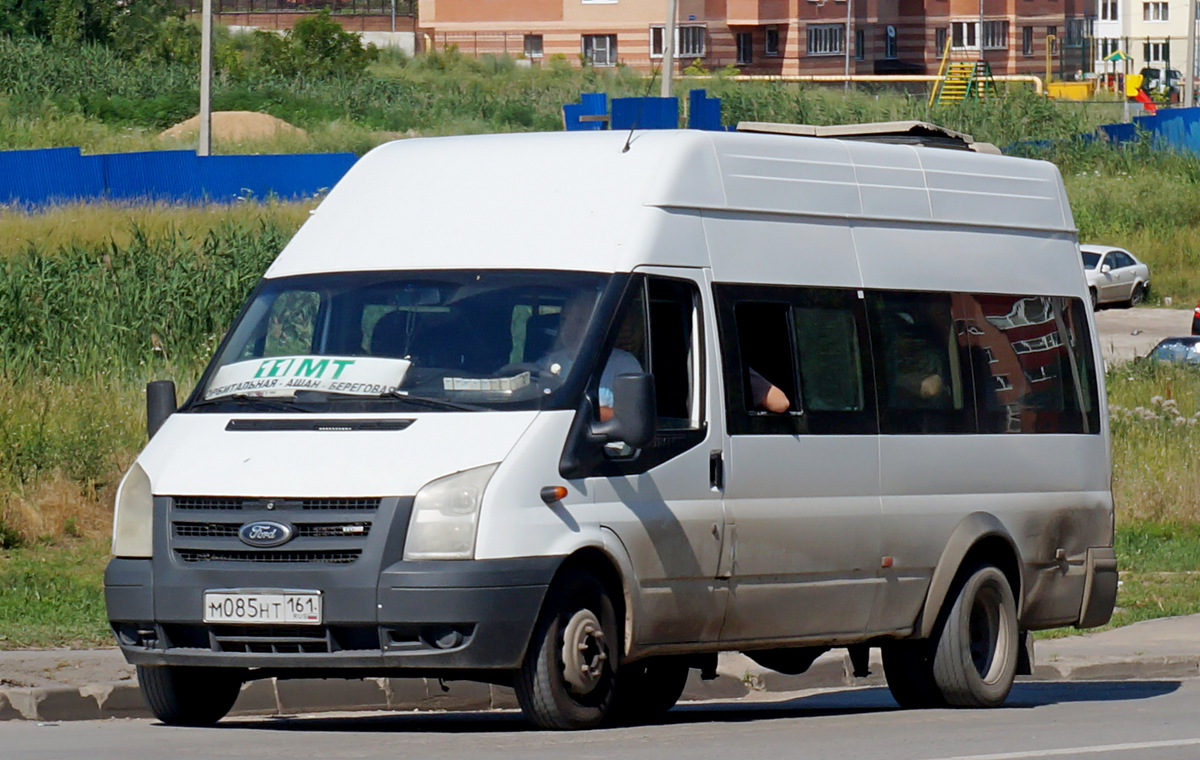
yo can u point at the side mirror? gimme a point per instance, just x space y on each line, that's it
1105 269
634 412
160 404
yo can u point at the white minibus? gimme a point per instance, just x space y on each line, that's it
576 412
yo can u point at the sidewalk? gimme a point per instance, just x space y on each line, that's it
57 685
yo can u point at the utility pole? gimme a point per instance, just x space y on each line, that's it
668 57
205 147
846 43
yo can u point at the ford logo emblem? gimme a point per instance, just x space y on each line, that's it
263 533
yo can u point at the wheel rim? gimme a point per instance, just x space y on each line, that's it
987 634
1139 295
584 652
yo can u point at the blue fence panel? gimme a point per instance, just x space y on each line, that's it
47 175
37 177
590 104
227 178
153 175
1118 133
1180 127
645 113
703 112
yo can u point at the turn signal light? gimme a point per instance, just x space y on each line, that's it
554 494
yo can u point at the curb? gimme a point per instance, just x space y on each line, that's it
738 677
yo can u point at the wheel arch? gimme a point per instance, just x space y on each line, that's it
978 537
611 567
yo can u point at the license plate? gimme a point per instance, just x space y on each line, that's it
266 607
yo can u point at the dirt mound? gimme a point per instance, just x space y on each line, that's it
235 126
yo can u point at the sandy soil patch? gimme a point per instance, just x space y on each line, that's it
235 126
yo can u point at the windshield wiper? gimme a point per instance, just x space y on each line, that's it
282 403
430 402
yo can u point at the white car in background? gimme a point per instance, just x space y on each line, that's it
1114 276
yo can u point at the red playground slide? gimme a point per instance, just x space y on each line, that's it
1146 102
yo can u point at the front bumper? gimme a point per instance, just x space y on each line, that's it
427 617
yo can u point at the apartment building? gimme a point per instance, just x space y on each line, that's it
771 36
1151 32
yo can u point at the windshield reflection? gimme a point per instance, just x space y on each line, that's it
448 340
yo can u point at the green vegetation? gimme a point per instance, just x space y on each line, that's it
50 595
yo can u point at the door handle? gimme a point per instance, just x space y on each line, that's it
716 471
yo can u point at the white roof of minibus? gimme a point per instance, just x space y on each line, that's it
580 201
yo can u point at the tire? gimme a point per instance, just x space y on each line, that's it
569 676
1095 298
189 696
975 658
908 668
648 689
1138 296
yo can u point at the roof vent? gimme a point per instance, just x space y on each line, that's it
894 132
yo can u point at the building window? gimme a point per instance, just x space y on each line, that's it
939 41
891 46
827 39
1110 10
1077 30
1052 39
1154 12
745 48
964 34
533 46
771 47
600 49
995 35
689 41
860 44
1106 46
1156 52
1027 41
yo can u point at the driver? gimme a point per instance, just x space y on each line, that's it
571 327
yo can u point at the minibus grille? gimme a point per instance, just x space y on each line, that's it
328 557
303 530
253 503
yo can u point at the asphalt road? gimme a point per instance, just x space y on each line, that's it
1155 720
1125 333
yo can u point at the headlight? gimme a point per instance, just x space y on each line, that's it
133 521
445 515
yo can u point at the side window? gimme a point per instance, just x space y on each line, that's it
658 333
1032 362
830 335
795 361
918 360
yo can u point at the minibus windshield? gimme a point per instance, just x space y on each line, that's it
420 341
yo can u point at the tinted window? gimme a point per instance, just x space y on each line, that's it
1090 259
798 363
1032 364
919 364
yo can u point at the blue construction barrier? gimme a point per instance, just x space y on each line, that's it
55 175
1177 128
592 112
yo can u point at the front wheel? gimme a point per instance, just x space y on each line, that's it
975 660
569 675
1095 299
189 696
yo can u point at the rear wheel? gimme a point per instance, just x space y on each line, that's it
908 668
569 675
1138 296
975 660
649 688
972 658
1095 298
187 696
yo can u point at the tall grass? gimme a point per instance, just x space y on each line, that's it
1155 412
